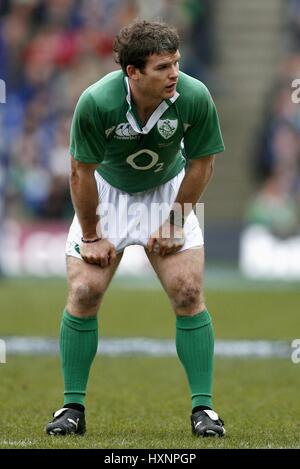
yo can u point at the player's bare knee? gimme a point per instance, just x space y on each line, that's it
85 295
187 298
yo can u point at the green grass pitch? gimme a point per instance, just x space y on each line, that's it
143 402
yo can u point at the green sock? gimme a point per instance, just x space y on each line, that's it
78 347
195 349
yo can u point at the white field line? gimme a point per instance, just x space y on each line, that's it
152 347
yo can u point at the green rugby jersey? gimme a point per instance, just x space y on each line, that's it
106 130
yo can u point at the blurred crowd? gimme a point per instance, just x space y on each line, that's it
277 165
50 51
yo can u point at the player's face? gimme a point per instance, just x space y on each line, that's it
159 78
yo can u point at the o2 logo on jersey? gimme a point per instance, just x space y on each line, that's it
167 127
152 161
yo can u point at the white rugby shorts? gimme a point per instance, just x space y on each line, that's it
128 219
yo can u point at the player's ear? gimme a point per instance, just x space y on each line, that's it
133 72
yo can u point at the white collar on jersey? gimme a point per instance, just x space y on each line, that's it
153 119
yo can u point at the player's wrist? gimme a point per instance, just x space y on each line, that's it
90 240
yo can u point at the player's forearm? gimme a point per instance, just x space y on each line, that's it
194 184
85 198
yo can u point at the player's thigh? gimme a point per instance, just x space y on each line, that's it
180 272
89 280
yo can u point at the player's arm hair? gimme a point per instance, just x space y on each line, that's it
198 173
84 195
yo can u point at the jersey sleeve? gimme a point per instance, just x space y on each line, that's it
87 140
203 137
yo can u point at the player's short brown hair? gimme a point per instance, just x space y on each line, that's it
136 42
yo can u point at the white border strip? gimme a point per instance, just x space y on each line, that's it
152 347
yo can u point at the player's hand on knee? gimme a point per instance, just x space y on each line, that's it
168 239
173 246
170 246
101 253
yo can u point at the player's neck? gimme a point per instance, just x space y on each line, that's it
144 105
